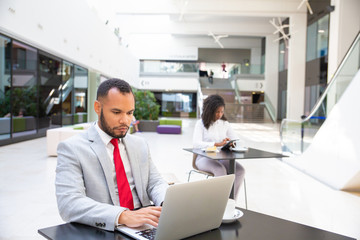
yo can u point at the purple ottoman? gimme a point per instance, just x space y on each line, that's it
169 129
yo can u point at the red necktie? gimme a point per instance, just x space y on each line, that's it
125 196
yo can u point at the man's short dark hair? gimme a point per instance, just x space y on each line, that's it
105 86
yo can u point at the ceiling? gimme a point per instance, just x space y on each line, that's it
194 20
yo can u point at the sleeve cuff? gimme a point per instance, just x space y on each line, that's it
117 220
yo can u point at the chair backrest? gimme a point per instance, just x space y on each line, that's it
197 169
193 161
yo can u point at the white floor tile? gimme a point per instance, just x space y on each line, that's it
27 191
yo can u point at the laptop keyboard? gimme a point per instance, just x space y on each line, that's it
148 233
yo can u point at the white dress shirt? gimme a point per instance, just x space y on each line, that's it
124 157
217 131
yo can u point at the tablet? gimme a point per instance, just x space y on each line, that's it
228 144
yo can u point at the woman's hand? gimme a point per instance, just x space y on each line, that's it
222 143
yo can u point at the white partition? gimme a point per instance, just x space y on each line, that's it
334 155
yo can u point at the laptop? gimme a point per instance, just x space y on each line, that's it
188 209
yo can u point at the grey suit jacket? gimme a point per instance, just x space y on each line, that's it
85 190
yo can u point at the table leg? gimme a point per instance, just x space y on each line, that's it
232 166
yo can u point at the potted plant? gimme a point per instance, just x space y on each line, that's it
146 110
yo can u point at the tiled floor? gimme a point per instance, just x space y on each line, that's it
27 199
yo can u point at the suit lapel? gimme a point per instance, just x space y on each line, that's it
134 157
99 148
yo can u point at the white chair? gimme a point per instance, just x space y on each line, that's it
209 174
195 169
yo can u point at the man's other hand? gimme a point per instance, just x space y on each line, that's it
137 218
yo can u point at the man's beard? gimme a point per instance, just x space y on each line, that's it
108 130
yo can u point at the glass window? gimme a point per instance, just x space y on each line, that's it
311 42
24 89
317 39
38 91
177 104
5 84
281 57
67 71
323 36
81 84
50 90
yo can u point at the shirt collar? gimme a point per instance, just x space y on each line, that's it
103 135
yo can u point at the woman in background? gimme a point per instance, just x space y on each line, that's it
135 123
213 129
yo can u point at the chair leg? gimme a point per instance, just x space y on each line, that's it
246 205
191 171
189 175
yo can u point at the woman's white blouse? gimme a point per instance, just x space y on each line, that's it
217 131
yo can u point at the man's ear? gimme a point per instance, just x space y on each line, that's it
97 107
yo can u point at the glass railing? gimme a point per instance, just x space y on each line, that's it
252 69
167 67
270 107
216 70
296 136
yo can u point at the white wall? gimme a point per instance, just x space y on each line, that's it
251 85
296 67
169 83
71 30
334 154
344 26
166 47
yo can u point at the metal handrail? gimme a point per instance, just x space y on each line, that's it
270 107
332 80
321 98
236 89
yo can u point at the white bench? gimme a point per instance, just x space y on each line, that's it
55 135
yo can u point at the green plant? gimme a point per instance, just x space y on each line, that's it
21 98
4 103
146 107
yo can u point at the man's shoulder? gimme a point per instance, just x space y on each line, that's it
81 136
133 138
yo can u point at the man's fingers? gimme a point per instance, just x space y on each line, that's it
149 215
152 223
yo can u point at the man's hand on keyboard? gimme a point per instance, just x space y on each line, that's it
137 218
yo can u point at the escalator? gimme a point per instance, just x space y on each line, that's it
66 89
235 111
296 136
325 144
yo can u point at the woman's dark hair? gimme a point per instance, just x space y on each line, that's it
105 86
211 104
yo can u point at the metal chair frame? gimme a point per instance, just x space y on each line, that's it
195 169
209 174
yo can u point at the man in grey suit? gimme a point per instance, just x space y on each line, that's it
86 180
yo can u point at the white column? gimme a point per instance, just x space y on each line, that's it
344 26
272 70
296 67
93 83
